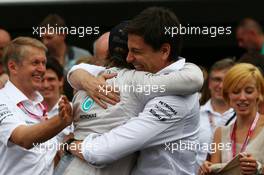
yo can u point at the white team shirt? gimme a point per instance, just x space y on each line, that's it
92 69
149 132
15 159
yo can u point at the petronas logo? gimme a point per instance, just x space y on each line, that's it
87 104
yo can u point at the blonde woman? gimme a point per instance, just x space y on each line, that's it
243 89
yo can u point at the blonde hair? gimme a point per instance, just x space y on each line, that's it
16 49
241 74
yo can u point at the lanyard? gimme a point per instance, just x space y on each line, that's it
249 134
31 114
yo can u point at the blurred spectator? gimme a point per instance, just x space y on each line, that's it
4 40
52 84
250 36
55 42
216 112
101 49
253 58
57 47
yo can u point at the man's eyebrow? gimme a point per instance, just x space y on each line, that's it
136 49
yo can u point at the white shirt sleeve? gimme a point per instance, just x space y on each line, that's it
138 133
92 69
185 81
8 122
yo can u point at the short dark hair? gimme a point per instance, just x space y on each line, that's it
150 24
222 64
53 64
117 47
53 20
249 23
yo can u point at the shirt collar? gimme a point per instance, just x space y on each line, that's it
54 110
174 66
11 89
207 107
56 106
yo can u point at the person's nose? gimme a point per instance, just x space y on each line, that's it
220 84
130 58
41 67
242 96
45 84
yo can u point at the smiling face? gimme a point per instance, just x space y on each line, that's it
244 98
51 85
243 88
216 83
27 74
144 57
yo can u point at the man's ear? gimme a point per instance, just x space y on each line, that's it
165 50
12 67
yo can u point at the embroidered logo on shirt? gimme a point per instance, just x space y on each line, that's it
87 104
154 113
163 111
168 107
4 112
88 116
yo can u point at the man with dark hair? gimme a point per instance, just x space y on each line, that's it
54 39
250 36
23 122
52 84
215 112
5 38
165 121
150 27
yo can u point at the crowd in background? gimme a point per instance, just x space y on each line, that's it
231 98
